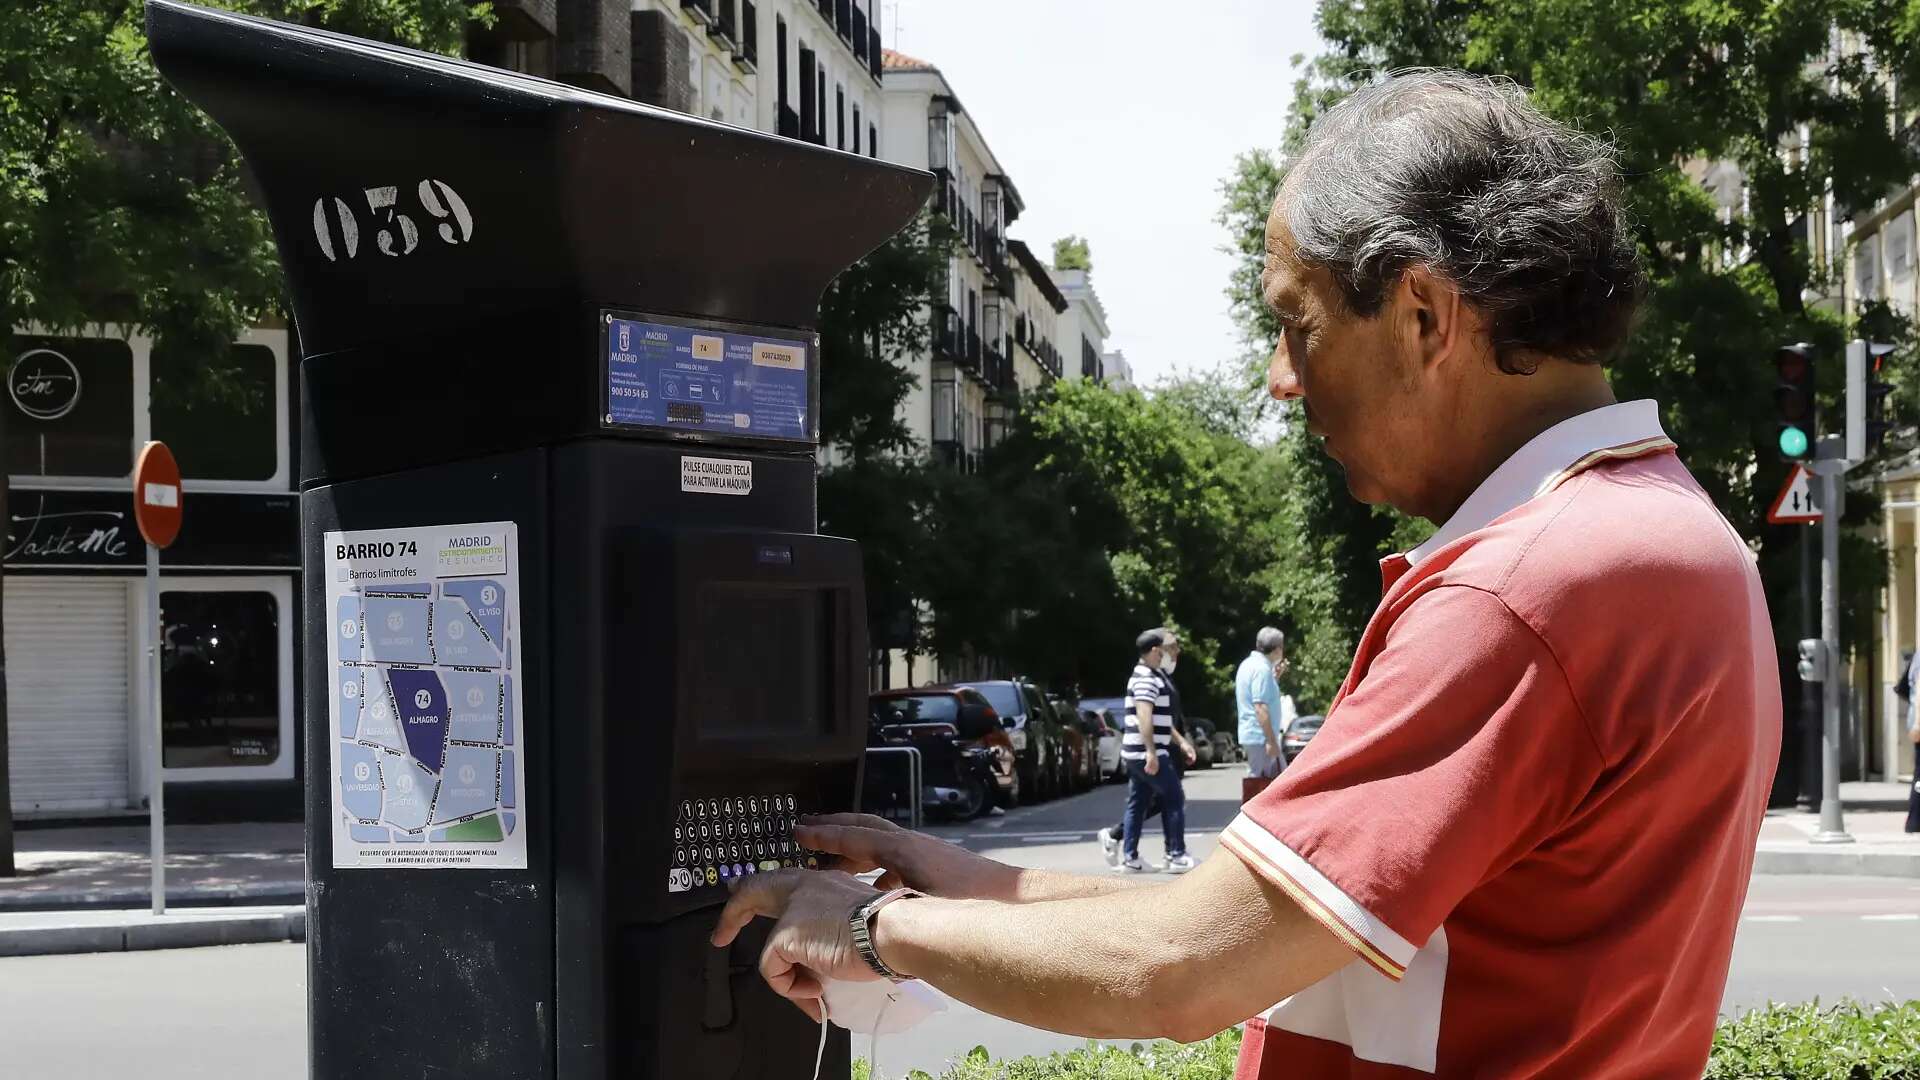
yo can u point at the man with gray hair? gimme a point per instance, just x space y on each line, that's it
1264 713
1522 840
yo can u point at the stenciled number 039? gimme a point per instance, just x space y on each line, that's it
397 235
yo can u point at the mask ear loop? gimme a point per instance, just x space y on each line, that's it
820 1055
873 1040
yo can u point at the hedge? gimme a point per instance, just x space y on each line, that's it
1848 1041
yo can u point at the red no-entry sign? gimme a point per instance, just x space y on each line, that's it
156 494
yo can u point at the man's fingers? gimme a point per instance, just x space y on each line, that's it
790 980
859 847
858 821
760 895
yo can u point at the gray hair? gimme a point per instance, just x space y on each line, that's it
1269 639
1464 175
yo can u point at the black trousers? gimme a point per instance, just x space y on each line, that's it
1913 804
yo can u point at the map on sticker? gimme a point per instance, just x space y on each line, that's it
687 378
425 720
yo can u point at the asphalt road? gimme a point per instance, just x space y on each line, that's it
239 1011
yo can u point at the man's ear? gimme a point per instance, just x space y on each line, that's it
1434 317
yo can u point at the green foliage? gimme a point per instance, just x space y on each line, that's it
1212 1059
1071 253
119 201
871 322
1105 512
1849 1041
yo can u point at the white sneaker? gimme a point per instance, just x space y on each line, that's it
1130 866
1180 864
1110 846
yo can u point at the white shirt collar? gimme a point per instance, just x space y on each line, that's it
1623 429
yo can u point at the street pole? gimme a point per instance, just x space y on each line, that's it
1807 784
1830 466
156 800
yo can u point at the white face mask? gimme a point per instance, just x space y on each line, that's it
1168 663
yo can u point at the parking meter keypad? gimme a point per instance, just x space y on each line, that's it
721 838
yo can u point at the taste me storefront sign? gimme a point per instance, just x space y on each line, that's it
76 408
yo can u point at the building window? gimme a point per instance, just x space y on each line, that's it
71 402
780 63
820 75
856 129
873 141
839 118
219 679
809 105
218 417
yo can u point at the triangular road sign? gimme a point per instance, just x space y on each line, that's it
1795 504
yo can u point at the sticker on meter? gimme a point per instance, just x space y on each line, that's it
425 722
679 879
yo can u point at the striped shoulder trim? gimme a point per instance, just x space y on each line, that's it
1623 452
1374 941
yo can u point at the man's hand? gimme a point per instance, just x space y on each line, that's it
1273 751
1152 764
811 942
863 842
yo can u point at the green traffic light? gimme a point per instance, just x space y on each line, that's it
1793 442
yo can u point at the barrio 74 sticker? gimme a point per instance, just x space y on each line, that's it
425 716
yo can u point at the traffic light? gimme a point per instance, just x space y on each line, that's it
1867 423
1793 400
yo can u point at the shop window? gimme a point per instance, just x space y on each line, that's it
218 416
220 679
71 402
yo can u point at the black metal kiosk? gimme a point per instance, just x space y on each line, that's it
575 654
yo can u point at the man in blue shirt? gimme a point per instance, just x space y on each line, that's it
1263 712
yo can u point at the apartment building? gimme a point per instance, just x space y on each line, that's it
1037 307
1083 327
806 69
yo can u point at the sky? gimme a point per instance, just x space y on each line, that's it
1117 120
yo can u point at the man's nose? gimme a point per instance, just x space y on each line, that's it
1283 380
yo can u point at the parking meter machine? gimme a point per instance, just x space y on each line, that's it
575 654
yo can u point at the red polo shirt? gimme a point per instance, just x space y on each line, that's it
1532 809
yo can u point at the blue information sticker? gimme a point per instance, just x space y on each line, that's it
694 379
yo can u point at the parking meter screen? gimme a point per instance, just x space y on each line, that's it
757 662
722 382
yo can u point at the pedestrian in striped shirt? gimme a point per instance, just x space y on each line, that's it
1146 747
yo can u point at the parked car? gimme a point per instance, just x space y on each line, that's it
1039 742
1299 734
1112 712
1200 734
1106 738
975 726
1226 746
1085 773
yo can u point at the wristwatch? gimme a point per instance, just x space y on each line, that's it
860 923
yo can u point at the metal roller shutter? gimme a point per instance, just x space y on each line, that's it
67 691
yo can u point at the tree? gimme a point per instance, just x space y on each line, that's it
1071 253
121 202
872 321
1793 96
1105 512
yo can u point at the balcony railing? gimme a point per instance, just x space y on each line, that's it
699 9
843 19
859 35
748 54
874 64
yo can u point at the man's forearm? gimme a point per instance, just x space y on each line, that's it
1118 966
1036 886
1266 721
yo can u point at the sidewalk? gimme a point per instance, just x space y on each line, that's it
102 866
1874 815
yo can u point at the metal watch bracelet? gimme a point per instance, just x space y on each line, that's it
860 923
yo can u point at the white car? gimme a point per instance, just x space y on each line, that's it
1104 714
